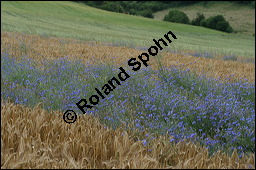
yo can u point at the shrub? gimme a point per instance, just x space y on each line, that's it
112 6
224 26
154 6
203 23
117 7
106 7
131 5
177 16
198 19
212 21
132 12
146 13
217 22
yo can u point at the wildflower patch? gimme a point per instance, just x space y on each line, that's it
106 89
100 93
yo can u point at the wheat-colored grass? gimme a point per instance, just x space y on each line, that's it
50 48
33 138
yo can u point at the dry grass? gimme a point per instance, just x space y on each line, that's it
33 138
42 48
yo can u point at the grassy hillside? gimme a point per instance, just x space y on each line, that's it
240 17
73 20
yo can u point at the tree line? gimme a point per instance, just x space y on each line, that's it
147 8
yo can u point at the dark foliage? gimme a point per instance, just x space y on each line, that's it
143 8
177 16
132 12
147 8
198 19
217 22
146 13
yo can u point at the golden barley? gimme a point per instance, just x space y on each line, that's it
33 138
40 49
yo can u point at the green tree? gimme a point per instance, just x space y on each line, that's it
203 23
146 13
224 26
198 19
217 22
212 21
177 16
132 12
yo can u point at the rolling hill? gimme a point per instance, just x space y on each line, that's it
74 20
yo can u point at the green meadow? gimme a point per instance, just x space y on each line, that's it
74 20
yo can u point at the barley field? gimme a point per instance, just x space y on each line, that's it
192 107
42 140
